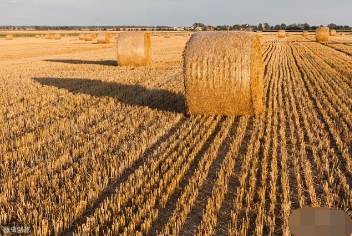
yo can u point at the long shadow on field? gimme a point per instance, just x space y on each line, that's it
103 63
137 95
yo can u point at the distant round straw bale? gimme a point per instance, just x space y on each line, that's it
332 32
89 37
281 34
224 73
81 36
58 36
322 34
9 37
134 49
305 33
259 33
167 35
37 36
103 38
49 36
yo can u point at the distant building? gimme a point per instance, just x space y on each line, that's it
198 28
178 28
210 28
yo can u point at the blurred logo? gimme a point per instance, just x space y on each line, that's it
322 221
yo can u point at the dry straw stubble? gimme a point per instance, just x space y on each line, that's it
224 74
281 34
259 33
134 49
322 34
103 38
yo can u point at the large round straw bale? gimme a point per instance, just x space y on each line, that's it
58 36
224 73
305 33
81 36
134 49
259 33
322 34
49 36
89 37
281 34
333 32
9 37
103 38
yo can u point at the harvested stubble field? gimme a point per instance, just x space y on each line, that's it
91 148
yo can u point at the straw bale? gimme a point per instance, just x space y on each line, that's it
224 74
281 34
322 34
103 38
134 49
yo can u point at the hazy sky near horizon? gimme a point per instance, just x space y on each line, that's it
174 12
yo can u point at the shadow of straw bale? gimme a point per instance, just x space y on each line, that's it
75 62
130 94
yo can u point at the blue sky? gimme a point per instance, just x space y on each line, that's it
174 12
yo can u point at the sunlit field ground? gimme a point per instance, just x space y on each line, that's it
90 147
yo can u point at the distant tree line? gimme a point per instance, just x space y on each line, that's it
91 28
195 26
266 26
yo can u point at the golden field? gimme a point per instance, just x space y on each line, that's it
91 148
